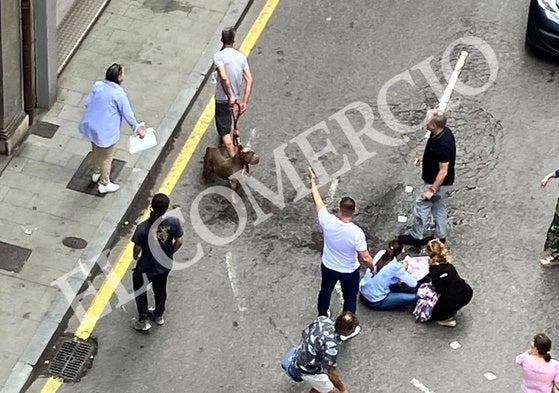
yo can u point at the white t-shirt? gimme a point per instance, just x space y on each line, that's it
234 62
342 242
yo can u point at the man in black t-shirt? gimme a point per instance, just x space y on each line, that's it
438 161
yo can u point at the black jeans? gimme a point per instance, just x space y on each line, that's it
350 288
159 286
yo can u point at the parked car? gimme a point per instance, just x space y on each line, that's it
542 32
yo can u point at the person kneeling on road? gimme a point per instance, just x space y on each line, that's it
454 292
314 360
374 290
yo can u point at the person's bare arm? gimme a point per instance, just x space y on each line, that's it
136 252
247 75
546 179
443 171
224 80
336 379
367 260
178 243
318 202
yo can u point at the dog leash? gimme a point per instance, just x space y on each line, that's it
236 135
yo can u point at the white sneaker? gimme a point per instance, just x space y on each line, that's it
142 326
95 177
355 333
109 187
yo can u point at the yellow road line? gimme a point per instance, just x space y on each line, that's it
122 264
52 385
258 27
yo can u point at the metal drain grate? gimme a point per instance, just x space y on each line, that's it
44 129
13 257
71 360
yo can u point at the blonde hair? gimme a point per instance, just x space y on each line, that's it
437 253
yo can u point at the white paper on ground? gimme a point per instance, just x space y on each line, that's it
490 376
455 345
137 144
409 189
402 219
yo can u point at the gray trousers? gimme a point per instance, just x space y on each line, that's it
434 206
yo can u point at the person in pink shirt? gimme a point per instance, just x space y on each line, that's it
540 371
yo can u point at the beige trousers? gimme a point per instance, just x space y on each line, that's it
102 158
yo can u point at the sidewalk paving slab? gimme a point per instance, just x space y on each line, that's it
166 49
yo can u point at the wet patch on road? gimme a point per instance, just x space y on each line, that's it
166 6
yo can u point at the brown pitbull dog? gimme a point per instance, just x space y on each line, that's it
218 162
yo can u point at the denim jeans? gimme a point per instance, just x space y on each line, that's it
287 365
350 288
434 206
391 301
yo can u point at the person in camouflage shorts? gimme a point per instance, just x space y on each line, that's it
315 359
551 247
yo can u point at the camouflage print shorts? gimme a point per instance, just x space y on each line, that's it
551 246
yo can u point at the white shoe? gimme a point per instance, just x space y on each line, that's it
142 326
355 333
95 177
109 187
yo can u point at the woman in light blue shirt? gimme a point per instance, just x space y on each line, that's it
106 105
375 292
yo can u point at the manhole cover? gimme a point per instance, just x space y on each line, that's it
74 242
71 360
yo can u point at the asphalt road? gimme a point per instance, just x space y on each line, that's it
232 315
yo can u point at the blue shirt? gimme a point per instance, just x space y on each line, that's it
107 104
376 288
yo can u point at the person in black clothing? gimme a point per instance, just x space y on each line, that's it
454 292
155 241
438 161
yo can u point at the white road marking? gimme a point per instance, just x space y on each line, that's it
332 189
443 103
420 386
252 135
452 81
331 194
233 281
338 289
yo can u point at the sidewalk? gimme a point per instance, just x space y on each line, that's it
166 49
